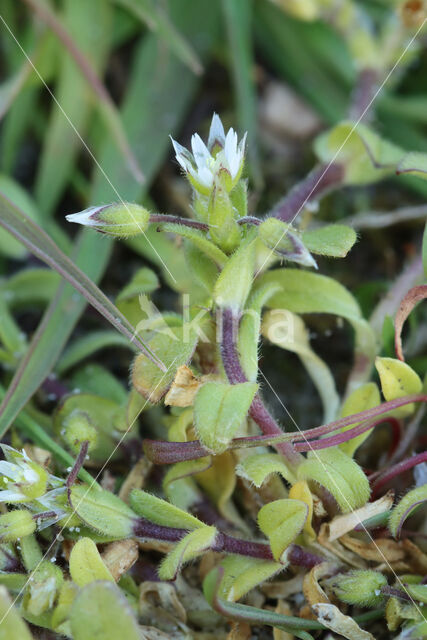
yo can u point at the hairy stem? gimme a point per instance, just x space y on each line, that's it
235 374
320 180
396 470
224 543
363 94
159 218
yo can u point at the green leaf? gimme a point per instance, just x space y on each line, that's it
161 512
259 466
201 266
143 281
175 347
288 331
9 246
102 511
398 380
238 18
235 281
249 330
198 238
282 521
190 547
405 507
241 574
339 474
101 612
29 287
12 625
42 246
364 397
333 240
364 154
424 251
219 410
61 142
157 19
305 292
86 565
414 163
89 344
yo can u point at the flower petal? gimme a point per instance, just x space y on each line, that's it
216 132
201 154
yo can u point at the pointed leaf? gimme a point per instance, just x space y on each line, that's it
258 467
282 521
162 512
405 507
333 240
398 380
101 612
219 410
86 564
190 547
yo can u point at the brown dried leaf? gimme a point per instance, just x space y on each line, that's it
120 556
283 588
332 618
348 521
412 298
379 550
312 590
183 389
239 631
135 478
396 611
337 550
159 605
416 558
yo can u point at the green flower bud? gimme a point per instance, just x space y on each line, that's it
224 230
43 588
359 587
77 428
283 240
16 524
122 220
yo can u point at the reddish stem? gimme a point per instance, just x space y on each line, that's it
322 179
224 543
235 374
157 218
345 436
396 470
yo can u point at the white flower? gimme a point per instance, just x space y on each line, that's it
21 479
223 156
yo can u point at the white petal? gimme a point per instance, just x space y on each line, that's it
10 495
230 151
201 154
9 469
205 177
31 476
83 217
182 154
216 132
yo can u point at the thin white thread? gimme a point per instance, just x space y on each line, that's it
360 522
74 510
85 145
353 129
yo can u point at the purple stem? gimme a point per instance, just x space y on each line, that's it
395 593
319 181
78 464
396 470
224 543
339 438
235 374
363 94
157 218
249 220
164 452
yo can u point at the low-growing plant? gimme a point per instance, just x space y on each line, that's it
219 496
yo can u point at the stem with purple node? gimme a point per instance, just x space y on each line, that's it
396 470
320 180
395 593
160 218
235 374
296 555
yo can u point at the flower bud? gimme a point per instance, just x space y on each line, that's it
122 220
359 587
16 524
224 230
283 240
77 428
43 588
